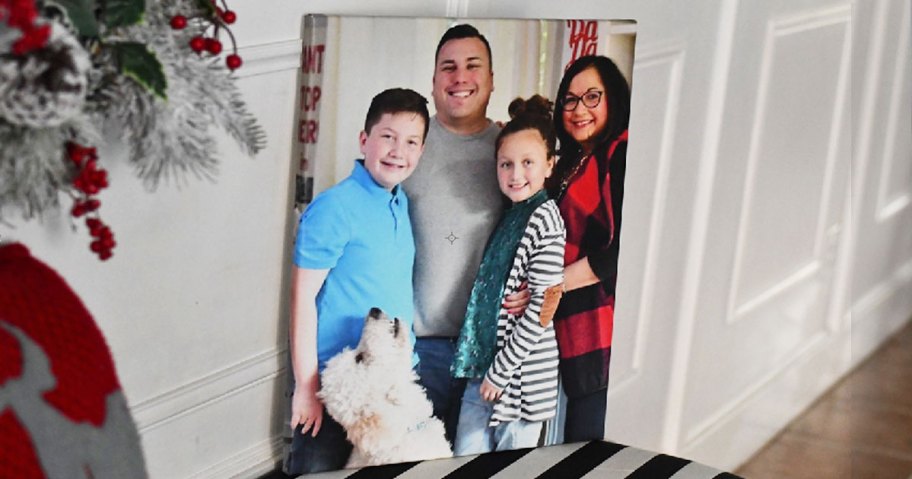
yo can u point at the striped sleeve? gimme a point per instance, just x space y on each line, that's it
544 240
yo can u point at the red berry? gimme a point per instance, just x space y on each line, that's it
229 17
213 46
104 255
90 189
78 210
92 204
91 165
233 61
76 153
108 243
178 22
96 176
96 246
95 226
197 44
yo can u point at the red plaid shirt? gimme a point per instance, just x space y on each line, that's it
584 322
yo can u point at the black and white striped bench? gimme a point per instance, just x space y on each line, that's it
592 460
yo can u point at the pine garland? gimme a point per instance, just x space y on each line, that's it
164 118
171 137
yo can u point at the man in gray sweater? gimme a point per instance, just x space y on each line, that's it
454 204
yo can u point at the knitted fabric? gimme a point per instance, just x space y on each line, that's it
62 412
478 338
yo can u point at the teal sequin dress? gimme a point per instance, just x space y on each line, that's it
477 342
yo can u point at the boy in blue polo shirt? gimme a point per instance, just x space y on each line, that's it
354 250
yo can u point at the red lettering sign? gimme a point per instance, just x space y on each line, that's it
310 96
307 131
312 58
583 39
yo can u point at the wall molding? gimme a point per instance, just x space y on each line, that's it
159 410
776 29
671 57
270 58
457 8
840 313
251 462
888 207
696 241
729 439
880 293
726 413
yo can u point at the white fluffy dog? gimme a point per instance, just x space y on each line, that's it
371 391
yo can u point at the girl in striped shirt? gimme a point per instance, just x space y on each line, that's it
510 361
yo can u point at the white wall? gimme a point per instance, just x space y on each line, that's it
767 245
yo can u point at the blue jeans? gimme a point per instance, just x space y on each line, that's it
435 358
475 437
328 451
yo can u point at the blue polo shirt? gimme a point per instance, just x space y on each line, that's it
360 232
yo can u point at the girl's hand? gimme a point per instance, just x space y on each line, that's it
306 410
517 302
489 392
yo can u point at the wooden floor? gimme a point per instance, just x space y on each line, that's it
860 429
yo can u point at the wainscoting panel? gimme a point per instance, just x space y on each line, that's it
772 236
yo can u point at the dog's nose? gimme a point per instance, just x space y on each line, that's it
375 313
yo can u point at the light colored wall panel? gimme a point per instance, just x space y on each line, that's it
783 215
651 264
763 302
876 251
659 73
737 433
189 398
894 191
232 436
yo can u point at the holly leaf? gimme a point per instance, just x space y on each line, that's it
81 14
121 13
138 63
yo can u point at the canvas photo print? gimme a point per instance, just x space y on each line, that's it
459 197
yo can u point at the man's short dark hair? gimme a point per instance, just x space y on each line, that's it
397 100
464 30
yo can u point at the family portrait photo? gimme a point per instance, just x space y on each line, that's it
459 193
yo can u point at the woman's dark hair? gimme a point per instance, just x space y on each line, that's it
617 94
531 114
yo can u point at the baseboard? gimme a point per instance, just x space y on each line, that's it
744 429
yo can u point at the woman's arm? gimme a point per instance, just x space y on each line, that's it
579 274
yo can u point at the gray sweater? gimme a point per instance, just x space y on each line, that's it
454 203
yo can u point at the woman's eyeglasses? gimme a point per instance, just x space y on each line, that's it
590 99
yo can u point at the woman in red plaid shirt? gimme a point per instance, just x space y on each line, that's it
591 118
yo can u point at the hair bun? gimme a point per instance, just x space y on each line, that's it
536 106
